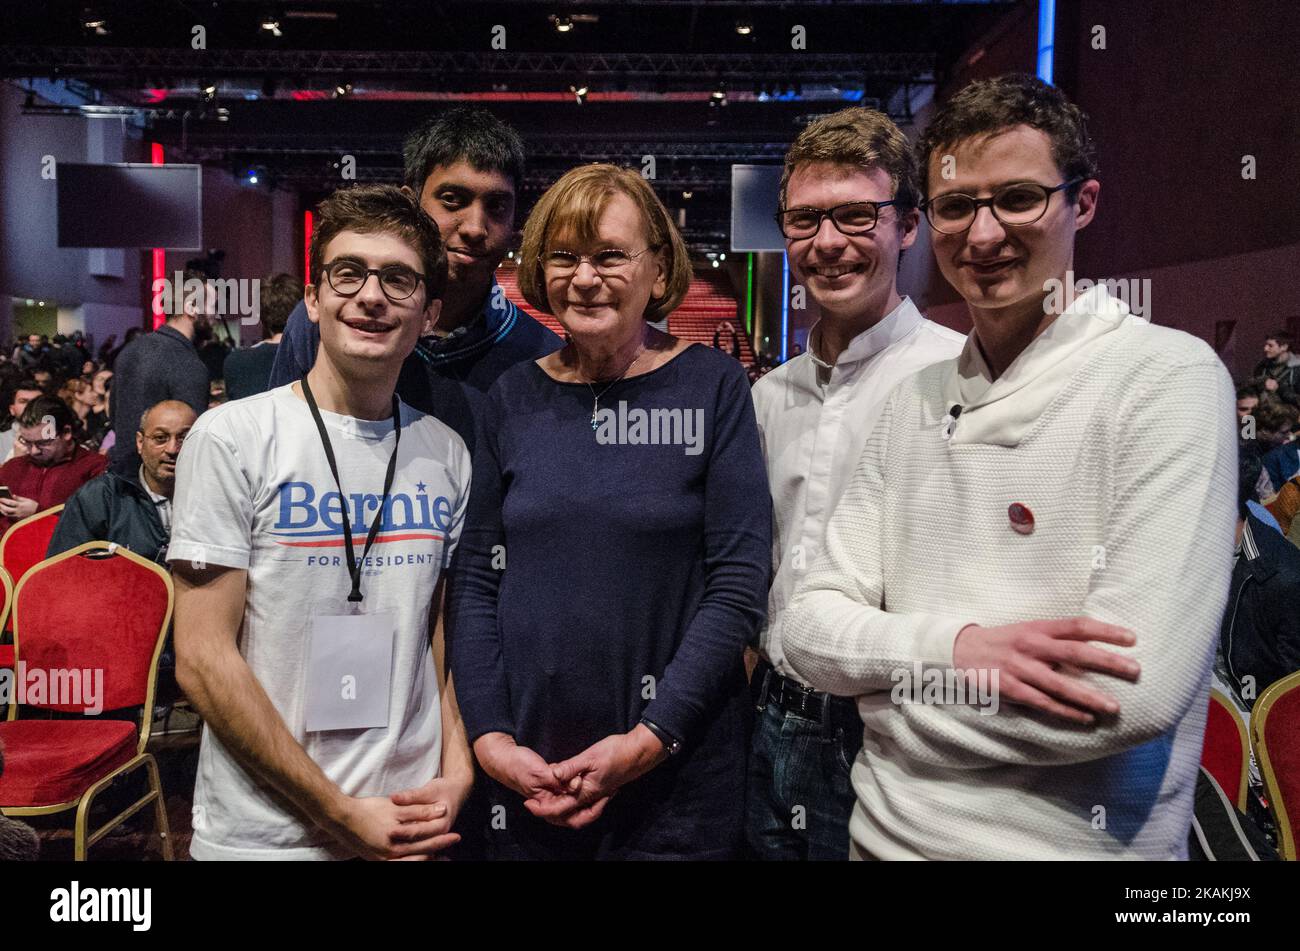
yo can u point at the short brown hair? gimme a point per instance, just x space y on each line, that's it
368 209
987 106
278 297
575 203
857 136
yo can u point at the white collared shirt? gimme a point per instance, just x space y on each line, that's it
814 419
161 503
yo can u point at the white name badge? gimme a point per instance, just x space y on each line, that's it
350 672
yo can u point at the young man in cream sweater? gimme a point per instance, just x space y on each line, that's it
1008 526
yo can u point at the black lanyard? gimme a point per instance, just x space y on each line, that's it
354 566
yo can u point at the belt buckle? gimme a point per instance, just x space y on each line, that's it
806 697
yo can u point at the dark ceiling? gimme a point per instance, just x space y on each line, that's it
698 85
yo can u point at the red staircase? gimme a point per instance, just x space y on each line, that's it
709 301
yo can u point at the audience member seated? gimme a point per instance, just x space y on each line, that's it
1281 463
1249 396
248 371
52 465
24 392
1259 640
133 511
1274 427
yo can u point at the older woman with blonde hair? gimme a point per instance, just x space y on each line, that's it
616 556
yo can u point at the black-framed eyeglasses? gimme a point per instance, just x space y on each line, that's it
608 263
1016 204
851 218
348 277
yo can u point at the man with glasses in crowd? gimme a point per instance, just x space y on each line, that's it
1010 513
134 512
50 464
848 211
465 168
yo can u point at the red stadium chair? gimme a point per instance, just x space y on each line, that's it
86 609
1275 732
7 592
26 542
1226 754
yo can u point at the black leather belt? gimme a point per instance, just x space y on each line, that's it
792 697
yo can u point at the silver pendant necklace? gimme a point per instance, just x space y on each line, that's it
595 402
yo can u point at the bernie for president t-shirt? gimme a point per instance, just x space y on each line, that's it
254 491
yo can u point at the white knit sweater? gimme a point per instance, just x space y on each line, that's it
1118 436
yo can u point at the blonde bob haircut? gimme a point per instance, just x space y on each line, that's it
572 207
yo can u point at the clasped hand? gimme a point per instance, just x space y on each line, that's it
575 792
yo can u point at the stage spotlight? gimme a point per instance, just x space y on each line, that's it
562 24
208 92
579 93
686 195
342 90
93 21
744 27
271 25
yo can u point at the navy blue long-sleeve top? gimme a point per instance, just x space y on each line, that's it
612 573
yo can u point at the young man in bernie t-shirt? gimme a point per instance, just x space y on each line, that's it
310 528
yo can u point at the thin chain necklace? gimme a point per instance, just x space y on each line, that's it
595 404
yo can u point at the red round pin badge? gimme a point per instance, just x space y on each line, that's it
1022 520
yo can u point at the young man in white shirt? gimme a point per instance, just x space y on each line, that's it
848 210
311 524
1010 517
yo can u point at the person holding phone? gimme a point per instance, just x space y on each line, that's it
52 465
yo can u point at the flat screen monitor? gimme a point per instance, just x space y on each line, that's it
130 205
755 196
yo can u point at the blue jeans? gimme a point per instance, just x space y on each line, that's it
798 798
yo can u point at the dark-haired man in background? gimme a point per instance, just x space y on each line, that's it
157 366
1279 372
465 167
248 371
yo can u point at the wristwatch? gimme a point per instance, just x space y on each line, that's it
672 745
